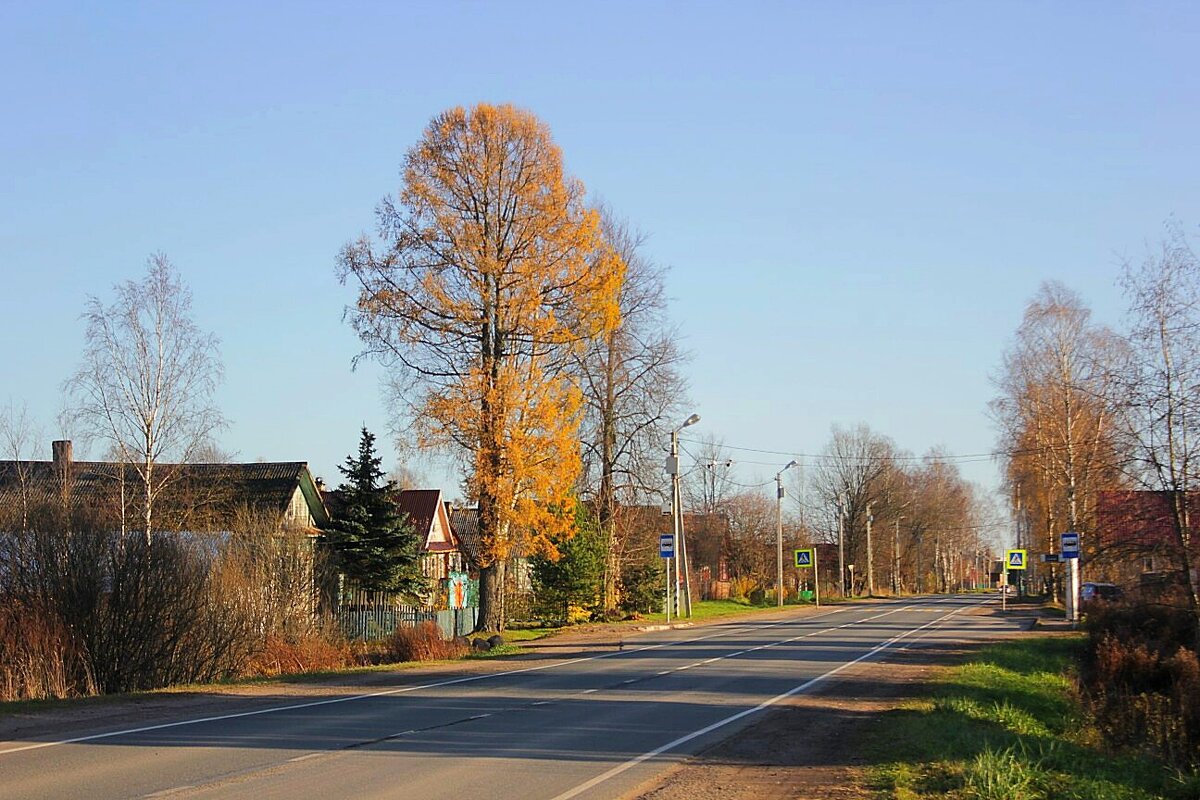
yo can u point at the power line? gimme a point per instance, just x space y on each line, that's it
964 458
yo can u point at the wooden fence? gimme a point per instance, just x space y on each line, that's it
376 615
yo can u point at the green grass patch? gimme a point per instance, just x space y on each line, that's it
1006 725
528 634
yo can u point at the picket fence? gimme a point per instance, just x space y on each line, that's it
372 615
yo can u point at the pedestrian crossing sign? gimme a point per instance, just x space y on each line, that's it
1015 559
804 558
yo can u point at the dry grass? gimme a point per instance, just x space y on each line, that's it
1141 681
422 643
310 654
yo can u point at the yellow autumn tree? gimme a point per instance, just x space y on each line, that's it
488 274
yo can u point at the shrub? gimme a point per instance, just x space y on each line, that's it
741 588
1140 679
314 653
423 642
38 657
87 609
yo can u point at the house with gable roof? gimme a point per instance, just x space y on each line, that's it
193 497
428 514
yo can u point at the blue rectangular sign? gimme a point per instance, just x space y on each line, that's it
666 545
1070 545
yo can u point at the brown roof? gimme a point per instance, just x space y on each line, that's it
420 505
1138 520
465 523
263 486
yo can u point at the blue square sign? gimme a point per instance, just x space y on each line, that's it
1070 545
666 545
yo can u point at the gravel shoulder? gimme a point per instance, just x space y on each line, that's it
813 745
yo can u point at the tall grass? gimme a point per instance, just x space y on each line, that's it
1141 680
1008 724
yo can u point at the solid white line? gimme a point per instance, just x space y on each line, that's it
589 691
403 690
388 692
304 757
617 770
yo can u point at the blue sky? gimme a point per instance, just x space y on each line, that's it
856 200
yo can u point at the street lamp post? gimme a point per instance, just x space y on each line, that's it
779 533
677 520
841 545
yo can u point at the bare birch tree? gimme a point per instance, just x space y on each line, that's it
18 437
1053 409
709 486
1160 387
632 387
146 383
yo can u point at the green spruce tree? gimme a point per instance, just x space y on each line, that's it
570 585
371 542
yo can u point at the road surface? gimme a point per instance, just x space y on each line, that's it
593 726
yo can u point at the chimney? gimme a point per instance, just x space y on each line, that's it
62 454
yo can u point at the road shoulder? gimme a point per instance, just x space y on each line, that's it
813 745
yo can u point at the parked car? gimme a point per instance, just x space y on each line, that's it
1092 592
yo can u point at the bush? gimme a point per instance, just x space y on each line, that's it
39 658
1140 679
422 643
315 653
741 588
87 609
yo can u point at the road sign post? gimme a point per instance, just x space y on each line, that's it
1013 560
666 549
805 558
1069 551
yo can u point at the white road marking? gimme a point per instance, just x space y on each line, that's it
407 689
174 790
633 762
589 691
304 757
388 692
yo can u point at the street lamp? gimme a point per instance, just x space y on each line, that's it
779 533
677 520
841 531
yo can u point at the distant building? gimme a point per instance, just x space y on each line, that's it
1136 540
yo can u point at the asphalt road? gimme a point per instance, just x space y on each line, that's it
593 726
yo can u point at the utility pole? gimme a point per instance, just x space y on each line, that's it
779 533
841 545
896 558
870 556
685 608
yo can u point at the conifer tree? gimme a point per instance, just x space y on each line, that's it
371 542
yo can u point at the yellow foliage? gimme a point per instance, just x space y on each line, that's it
495 271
